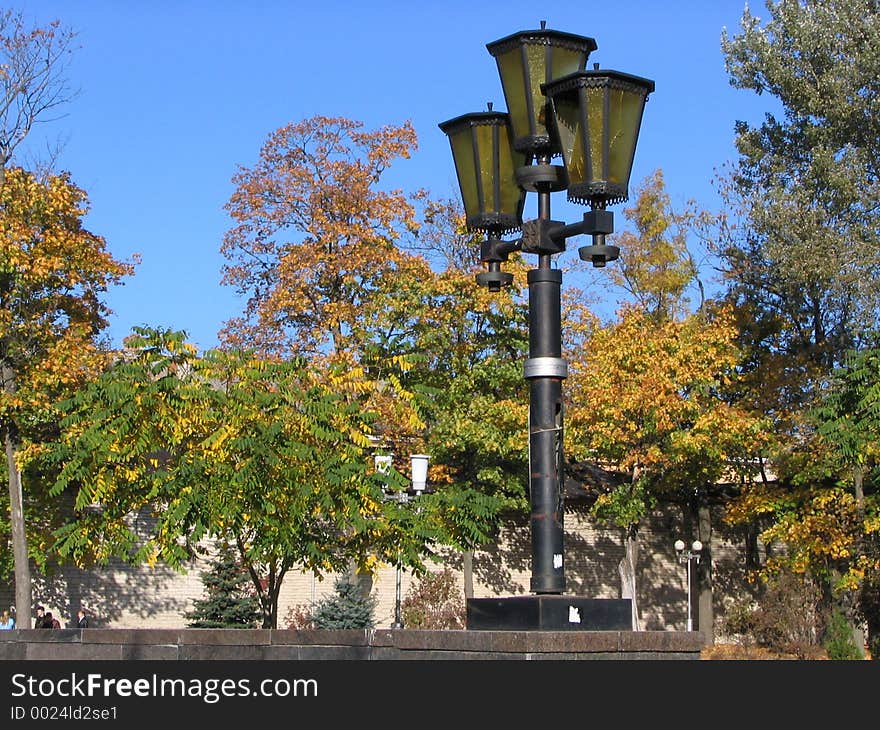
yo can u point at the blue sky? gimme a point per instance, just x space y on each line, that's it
173 96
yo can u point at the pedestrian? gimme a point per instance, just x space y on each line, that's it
6 621
41 618
50 622
82 620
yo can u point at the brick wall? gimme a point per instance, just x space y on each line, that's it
122 596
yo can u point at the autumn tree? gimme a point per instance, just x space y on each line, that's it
825 511
314 235
649 392
647 402
467 346
656 267
33 64
325 255
799 257
53 272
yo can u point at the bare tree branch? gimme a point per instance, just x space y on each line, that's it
33 77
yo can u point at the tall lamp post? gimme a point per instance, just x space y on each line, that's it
689 557
419 480
591 119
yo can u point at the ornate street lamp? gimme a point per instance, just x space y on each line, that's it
592 119
689 557
486 164
418 482
525 61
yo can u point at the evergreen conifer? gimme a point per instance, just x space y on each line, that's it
346 608
227 603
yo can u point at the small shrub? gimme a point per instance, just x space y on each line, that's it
785 618
838 640
788 618
739 622
229 601
434 602
299 616
346 608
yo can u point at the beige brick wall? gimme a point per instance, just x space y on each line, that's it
122 596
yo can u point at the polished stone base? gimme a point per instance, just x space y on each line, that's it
549 613
369 644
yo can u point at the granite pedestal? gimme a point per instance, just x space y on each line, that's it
549 613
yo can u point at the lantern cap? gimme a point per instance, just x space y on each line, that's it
472 119
597 78
542 37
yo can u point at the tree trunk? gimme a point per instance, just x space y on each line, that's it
363 580
705 608
859 493
23 596
467 569
627 570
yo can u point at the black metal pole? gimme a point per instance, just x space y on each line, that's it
398 619
545 369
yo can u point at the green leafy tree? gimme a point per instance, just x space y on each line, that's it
273 457
262 455
229 601
800 251
464 346
800 262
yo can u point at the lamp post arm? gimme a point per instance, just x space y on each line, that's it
542 236
495 250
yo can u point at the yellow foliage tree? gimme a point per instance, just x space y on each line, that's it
53 272
650 393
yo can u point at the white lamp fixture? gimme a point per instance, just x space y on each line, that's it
689 557
419 465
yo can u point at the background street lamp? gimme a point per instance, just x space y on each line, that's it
419 480
689 556
592 119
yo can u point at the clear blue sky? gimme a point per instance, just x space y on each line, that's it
175 95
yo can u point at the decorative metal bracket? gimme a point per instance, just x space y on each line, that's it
494 251
548 237
598 223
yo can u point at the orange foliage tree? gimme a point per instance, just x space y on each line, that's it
52 274
650 393
314 236
325 256
33 63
